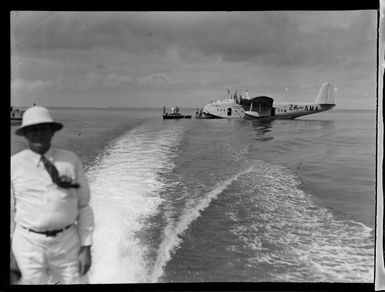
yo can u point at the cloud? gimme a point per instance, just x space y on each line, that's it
158 52
267 37
100 66
102 81
20 86
276 38
157 79
83 31
112 80
93 80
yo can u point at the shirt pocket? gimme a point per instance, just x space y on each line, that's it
66 169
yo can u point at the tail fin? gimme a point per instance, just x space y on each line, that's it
326 94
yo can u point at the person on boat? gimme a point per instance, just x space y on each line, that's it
51 219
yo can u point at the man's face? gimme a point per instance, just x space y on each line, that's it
39 137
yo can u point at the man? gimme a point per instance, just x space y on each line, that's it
51 220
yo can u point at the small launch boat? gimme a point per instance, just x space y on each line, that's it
16 115
175 114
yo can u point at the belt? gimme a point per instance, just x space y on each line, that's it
50 233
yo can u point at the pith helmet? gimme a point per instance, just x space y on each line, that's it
37 115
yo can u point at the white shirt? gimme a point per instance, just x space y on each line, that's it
39 204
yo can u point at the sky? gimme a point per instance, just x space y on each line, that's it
154 59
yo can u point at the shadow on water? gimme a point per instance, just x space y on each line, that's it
311 123
262 129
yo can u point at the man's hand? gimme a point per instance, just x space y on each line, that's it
84 259
14 271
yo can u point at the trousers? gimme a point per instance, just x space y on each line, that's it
47 260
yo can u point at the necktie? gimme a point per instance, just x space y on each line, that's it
63 182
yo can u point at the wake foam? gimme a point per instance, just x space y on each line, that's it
175 229
283 227
125 189
299 240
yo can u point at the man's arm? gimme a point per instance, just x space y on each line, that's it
85 214
85 220
84 259
14 271
12 213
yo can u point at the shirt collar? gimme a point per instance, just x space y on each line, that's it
36 157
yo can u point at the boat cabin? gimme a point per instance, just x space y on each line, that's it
175 114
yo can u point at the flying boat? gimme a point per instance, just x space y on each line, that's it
245 107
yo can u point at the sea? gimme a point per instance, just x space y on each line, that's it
197 200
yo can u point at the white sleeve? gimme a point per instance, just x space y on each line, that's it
85 214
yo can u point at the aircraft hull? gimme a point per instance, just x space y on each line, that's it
225 110
264 106
289 111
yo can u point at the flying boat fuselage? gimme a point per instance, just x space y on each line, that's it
263 106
